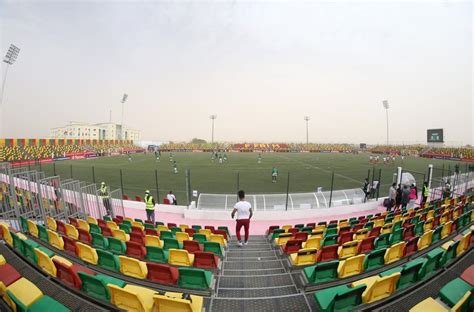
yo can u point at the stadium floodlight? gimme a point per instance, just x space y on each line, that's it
9 59
124 99
386 106
306 118
212 117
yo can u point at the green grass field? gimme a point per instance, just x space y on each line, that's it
307 172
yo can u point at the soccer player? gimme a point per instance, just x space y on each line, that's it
371 159
129 156
274 174
220 158
259 158
175 167
171 157
225 157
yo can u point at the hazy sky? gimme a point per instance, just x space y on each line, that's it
260 66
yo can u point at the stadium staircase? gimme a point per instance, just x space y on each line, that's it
256 278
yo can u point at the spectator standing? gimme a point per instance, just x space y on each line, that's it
426 192
398 199
366 189
392 195
244 213
171 198
149 206
413 196
405 196
104 194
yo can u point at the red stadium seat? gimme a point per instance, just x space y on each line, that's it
293 230
292 246
149 221
137 238
192 246
210 227
344 229
84 236
205 260
117 220
366 245
190 231
68 275
8 274
345 237
409 232
125 197
333 221
106 231
137 230
375 231
357 227
101 222
69 245
327 253
138 198
120 218
151 232
162 273
60 228
221 232
271 228
171 225
73 221
301 235
411 246
136 250
312 224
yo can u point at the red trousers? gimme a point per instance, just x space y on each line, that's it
245 223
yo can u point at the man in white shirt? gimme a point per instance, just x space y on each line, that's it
244 213
171 198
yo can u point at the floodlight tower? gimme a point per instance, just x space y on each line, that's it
306 118
124 99
9 59
386 106
213 117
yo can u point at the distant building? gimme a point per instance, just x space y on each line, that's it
100 131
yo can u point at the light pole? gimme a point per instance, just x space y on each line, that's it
386 106
306 118
9 59
124 99
213 117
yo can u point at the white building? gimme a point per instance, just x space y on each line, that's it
100 131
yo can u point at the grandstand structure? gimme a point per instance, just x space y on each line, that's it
62 250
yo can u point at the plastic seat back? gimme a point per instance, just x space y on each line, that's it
292 246
99 241
394 253
205 260
108 260
182 236
214 248
322 272
446 229
175 303
190 231
162 273
223 233
137 238
411 246
32 229
199 237
374 259
170 243
180 257
194 278
133 267
191 246
69 245
425 240
328 253
383 287
55 240
93 286
51 224
166 234
45 262
156 254
304 256
351 266
83 224
84 236
345 237
135 249
71 231
313 242
129 299
218 239
86 253
117 246
348 249
151 240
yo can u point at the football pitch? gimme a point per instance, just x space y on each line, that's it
307 172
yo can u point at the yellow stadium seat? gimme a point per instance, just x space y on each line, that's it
343 224
283 238
463 244
120 234
320 227
64 261
446 230
394 253
379 222
21 236
87 253
138 225
2 260
397 218
430 214
425 240
112 225
172 301
319 234
152 240
25 291
45 262
132 298
218 238
378 287
55 240
51 223
7 236
92 220
128 219
71 231
160 228
360 234
182 236
206 232
472 215
304 257
32 228
348 249
432 305
287 227
387 228
313 242
428 225
83 225
180 257
351 266
183 227
133 267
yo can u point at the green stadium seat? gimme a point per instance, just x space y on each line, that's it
127 222
194 278
396 236
214 247
42 233
30 249
436 234
369 225
149 226
409 273
382 241
322 272
449 253
453 291
96 285
94 228
99 241
224 228
171 243
166 234
175 229
339 298
196 227
299 226
45 303
107 218
201 238
125 227
108 260
156 254
433 262
419 228
397 225
330 240
330 231
24 224
117 246
307 229
18 243
276 233
374 259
